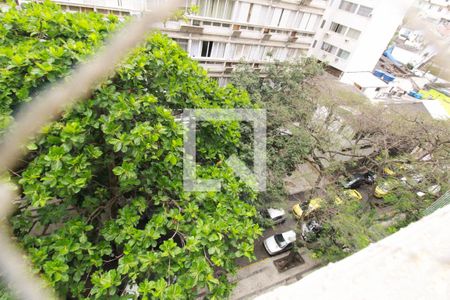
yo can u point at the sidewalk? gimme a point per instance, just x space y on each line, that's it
262 276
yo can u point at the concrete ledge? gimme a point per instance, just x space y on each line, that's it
413 263
263 276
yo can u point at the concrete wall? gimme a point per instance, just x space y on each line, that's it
413 263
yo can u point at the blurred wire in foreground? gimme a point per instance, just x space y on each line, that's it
47 106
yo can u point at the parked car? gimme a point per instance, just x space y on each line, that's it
412 180
280 242
388 185
432 190
389 172
385 187
310 230
358 179
301 210
277 215
348 194
304 209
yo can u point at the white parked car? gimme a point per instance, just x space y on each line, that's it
277 215
280 242
433 190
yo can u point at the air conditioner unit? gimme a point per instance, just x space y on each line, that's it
305 2
236 33
191 29
228 69
266 36
292 36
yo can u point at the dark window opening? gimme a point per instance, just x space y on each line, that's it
206 48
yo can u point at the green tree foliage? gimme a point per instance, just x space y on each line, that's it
335 141
347 228
103 206
410 158
285 92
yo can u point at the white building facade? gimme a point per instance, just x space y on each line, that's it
349 35
354 33
436 10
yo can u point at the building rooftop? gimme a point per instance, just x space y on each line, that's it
365 80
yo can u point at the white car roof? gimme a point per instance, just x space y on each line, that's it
289 236
275 212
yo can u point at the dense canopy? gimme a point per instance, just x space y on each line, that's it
103 211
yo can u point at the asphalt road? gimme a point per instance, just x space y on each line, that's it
291 223
260 251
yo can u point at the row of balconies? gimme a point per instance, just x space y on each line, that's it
224 68
120 5
237 30
199 21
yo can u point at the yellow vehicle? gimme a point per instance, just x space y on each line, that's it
351 194
304 210
389 172
384 188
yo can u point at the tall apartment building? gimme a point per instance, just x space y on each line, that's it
350 35
436 10
353 34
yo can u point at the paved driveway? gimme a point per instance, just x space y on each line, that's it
262 276
260 252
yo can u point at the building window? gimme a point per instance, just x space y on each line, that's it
223 81
328 48
249 13
323 24
206 48
364 11
338 28
348 6
219 9
353 33
209 49
183 43
292 53
343 54
314 44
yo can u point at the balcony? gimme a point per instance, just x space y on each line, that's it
236 30
123 5
195 28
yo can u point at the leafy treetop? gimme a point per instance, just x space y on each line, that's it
103 208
